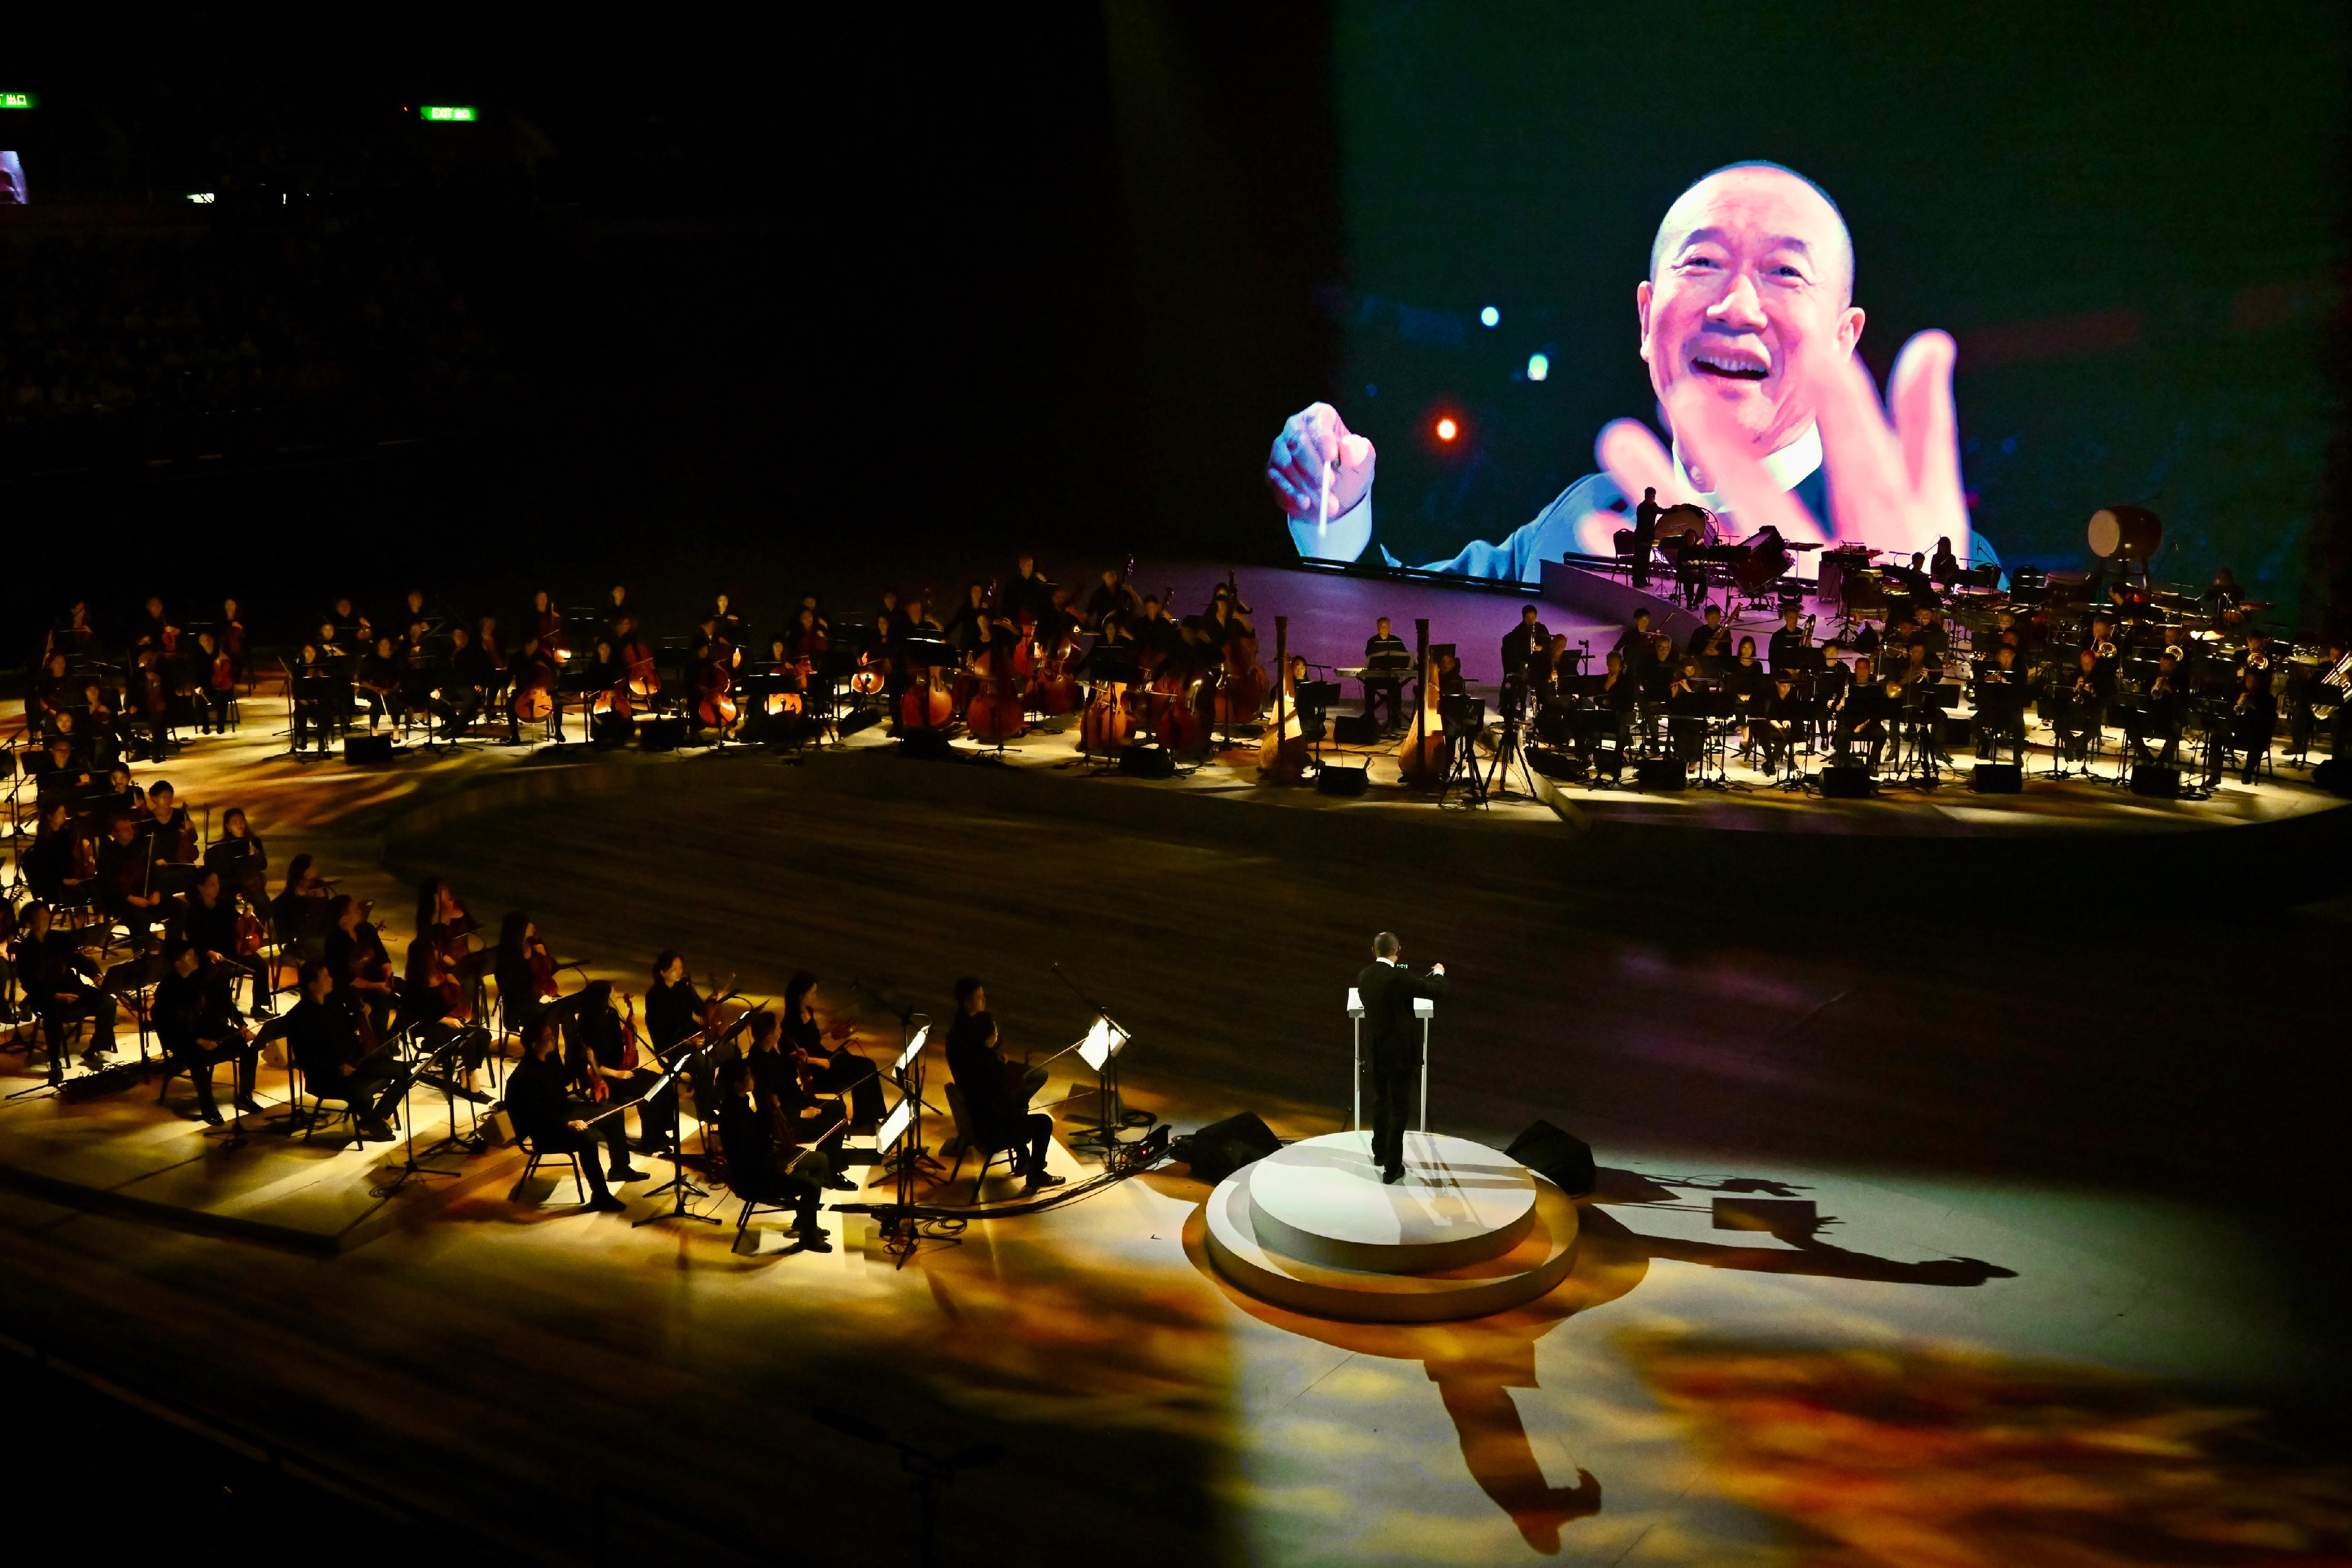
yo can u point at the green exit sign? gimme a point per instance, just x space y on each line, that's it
446 112
15 101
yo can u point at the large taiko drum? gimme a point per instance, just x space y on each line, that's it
2125 533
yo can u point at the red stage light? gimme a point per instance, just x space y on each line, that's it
1448 430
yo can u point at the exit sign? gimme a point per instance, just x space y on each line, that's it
15 101
446 112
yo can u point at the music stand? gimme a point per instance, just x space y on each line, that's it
907 1075
894 1219
1424 1009
1099 1049
682 1056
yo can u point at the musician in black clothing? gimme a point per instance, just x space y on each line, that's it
1772 722
1157 635
760 1165
541 1107
1112 599
126 872
1792 645
323 1032
2158 712
1711 643
1998 697
1386 660
1865 716
835 1068
1945 567
1635 642
1522 643
50 867
997 1103
1387 991
2253 716
2084 705
199 1027
597 1051
62 984
1646 535
780 1086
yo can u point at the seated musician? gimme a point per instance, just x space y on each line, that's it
1685 728
2253 715
199 1026
524 970
1928 626
1772 720
104 735
211 701
1711 644
1635 642
378 681
313 692
51 695
1658 672
466 679
1792 645
995 1091
168 821
1945 567
126 874
1745 677
834 1067
205 918
59 868
779 1084
2157 713
1999 696
596 1052
1157 635
534 669
238 855
2083 706
1922 666
59 769
760 1165
1866 714
1831 683
1386 662
61 983
540 1103
300 910
1549 673
497 675
1523 643
1620 691
356 957
326 1032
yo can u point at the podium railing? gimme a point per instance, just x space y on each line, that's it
1423 1008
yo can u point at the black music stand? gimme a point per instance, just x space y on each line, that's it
235 1132
410 1164
1105 1043
674 1071
1719 713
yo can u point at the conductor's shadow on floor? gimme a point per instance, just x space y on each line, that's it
1477 1361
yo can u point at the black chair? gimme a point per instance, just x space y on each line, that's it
968 1140
535 1156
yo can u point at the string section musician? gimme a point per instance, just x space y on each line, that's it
1388 990
997 1092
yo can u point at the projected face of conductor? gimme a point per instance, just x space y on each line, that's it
1747 326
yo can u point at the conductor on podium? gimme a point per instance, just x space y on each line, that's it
1388 990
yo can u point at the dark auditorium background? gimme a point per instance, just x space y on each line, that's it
692 308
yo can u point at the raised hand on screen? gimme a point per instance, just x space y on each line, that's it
1311 439
1893 470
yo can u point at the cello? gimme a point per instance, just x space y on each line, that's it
534 695
1421 760
641 675
1054 691
714 680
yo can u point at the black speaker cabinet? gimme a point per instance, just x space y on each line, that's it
1844 781
661 735
363 749
1562 1156
1660 775
924 741
2163 783
1147 762
1997 779
1563 766
1221 1149
1335 780
2335 776
1355 729
856 719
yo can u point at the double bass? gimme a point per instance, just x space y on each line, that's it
1241 688
1054 690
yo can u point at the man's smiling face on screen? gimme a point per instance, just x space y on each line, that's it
1751 279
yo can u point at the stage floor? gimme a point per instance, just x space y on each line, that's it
1982 1239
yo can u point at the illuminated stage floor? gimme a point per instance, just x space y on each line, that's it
1978 1239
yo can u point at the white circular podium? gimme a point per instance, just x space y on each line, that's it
1468 1231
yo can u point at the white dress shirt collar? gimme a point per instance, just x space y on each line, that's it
1787 469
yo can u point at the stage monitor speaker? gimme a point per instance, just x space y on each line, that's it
1147 762
1561 766
608 729
1660 775
365 748
1355 729
2162 783
661 735
2335 776
1844 781
1998 778
1561 1156
1335 780
1221 1149
926 742
856 719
